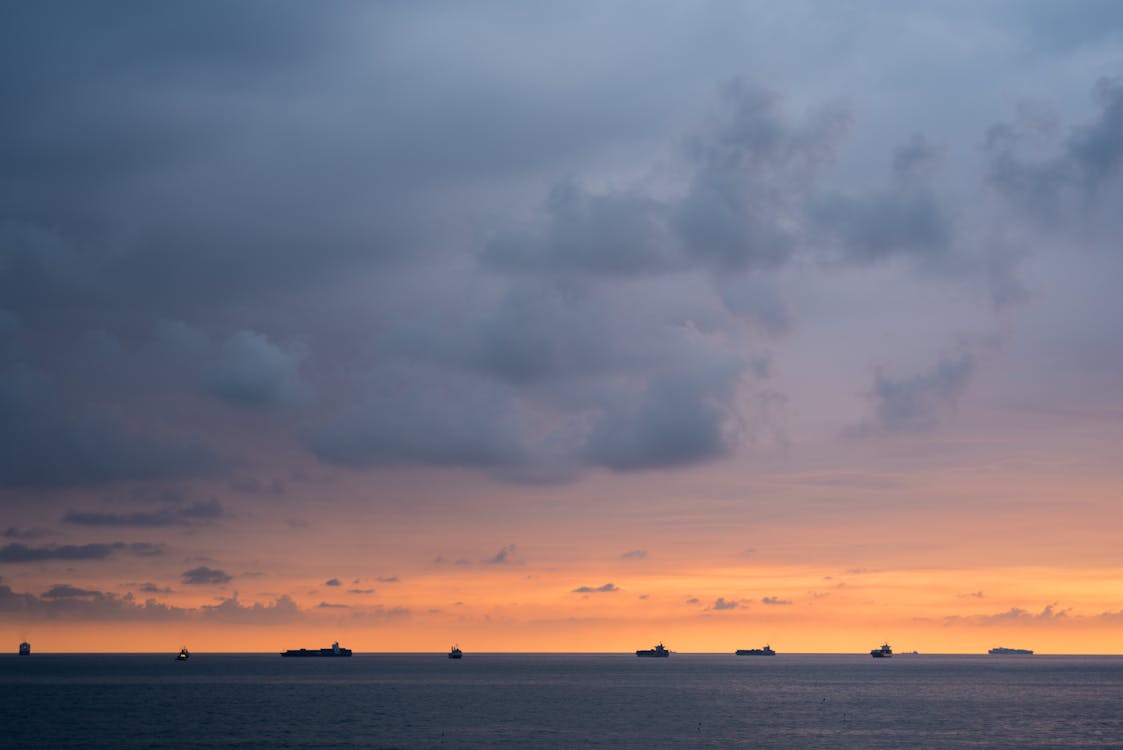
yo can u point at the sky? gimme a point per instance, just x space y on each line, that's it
561 326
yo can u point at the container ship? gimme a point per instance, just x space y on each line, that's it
335 650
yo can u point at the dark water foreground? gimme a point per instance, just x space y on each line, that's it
559 701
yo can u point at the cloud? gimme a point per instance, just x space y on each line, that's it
476 424
328 605
166 517
332 582
386 579
775 600
64 602
205 576
281 610
360 591
1076 182
1012 616
611 234
15 553
151 588
606 588
919 403
721 604
65 591
43 444
634 554
753 169
253 371
501 557
28 534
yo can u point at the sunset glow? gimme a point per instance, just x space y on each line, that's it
573 330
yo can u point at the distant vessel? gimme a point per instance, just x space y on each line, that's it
766 651
25 649
657 651
183 654
882 653
1002 651
456 653
335 650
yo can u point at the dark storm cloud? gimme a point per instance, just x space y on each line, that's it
205 576
364 211
44 444
884 223
603 234
679 419
332 582
17 553
207 510
426 418
752 169
605 589
252 370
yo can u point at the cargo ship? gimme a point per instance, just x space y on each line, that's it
455 653
657 651
25 649
1003 651
335 650
766 651
882 653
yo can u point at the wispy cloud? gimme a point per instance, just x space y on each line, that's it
203 575
14 553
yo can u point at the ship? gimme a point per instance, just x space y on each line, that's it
1003 651
882 653
659 650
766 651
183 654
25 649
335 650
455 653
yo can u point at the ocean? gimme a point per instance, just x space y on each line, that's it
560 701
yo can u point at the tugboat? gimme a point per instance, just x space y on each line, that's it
766 651
882 653
456 653
657 651
25 649
335 650
1003 651
183 654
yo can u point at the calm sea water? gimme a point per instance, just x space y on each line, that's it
559 701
